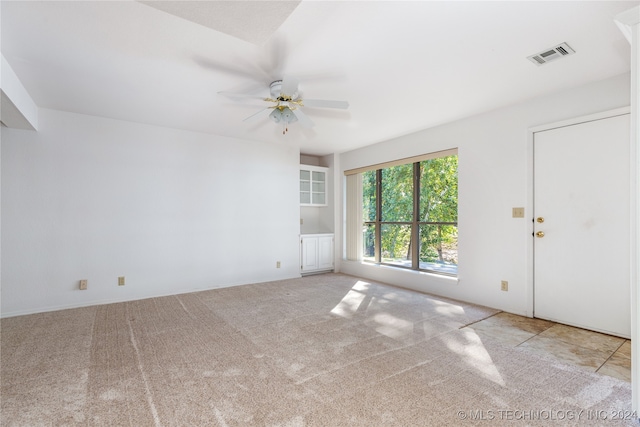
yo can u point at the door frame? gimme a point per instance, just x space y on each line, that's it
530 283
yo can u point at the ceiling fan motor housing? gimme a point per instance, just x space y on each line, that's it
276 91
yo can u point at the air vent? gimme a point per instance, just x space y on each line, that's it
551 54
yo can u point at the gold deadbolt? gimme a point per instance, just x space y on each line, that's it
540 234
540 219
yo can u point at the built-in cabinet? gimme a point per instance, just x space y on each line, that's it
316 240
316 253
313 185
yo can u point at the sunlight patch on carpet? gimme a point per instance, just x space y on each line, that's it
475 355
446 308
352 301
392 326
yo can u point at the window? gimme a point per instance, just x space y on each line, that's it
410 215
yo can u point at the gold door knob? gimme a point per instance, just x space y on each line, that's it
540 234
540 219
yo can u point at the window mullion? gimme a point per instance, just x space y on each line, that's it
415 231
378 236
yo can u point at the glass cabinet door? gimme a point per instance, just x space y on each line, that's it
318 188
313 188
305 187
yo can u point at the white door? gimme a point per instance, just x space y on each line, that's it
582 225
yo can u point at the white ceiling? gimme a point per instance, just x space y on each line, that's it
403 66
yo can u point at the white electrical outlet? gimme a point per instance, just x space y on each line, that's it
504 285
83 285
121 281
278 264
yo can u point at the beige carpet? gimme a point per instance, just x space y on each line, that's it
326 350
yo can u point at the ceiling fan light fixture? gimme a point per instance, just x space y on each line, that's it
288 115
285 115
276 115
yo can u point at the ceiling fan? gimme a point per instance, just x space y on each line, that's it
287 101
287 104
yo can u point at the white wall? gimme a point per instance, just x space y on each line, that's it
172 211
494 176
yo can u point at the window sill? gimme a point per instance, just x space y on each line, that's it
362 267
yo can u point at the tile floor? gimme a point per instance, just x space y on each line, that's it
593 351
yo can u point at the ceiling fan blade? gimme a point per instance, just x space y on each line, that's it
303 119
323 103
275 57
234 70
258 115
234 96
289 85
